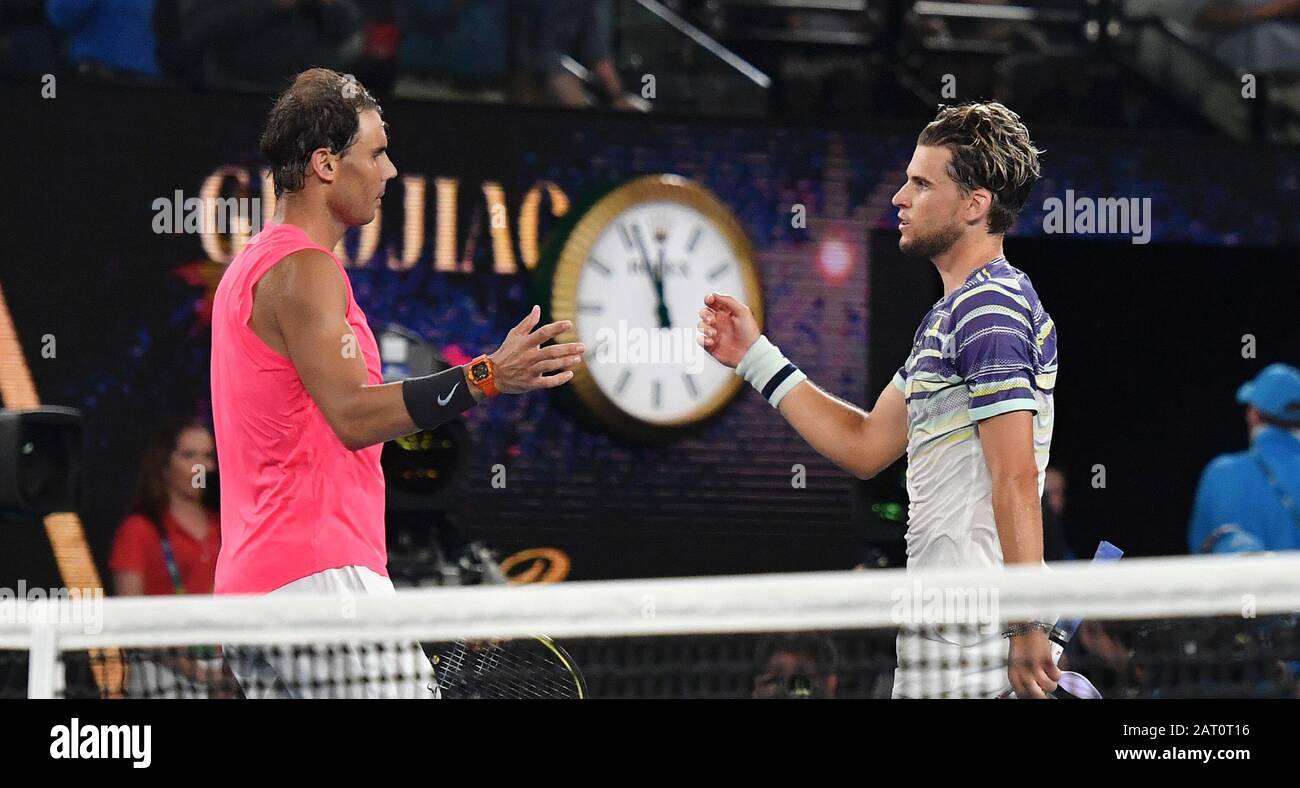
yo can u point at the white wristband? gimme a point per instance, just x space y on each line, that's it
769 372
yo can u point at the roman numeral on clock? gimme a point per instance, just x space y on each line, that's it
604 269
656 393
717 270
623 381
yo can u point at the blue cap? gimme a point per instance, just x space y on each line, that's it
1274 392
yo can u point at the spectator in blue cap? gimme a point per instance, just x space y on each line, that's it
1250 501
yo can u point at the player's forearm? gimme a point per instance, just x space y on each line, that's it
837 430
374 414
1018 513
840 432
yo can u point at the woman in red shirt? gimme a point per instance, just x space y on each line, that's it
169 542
168 545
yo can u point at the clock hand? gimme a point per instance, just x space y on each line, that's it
655 281
664 321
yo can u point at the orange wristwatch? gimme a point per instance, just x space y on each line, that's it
482 373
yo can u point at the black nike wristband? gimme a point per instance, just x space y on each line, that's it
434 400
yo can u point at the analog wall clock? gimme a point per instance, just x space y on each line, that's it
631 271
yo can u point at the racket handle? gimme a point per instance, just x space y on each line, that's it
1106 553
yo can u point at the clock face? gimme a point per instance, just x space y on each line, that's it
657 247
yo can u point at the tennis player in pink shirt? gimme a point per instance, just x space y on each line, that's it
298 401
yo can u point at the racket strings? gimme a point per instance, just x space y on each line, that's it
517 669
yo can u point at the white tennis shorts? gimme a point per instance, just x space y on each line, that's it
951 664
334 670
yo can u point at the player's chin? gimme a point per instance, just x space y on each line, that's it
913 247
359 213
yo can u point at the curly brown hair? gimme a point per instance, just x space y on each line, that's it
990 150
319 110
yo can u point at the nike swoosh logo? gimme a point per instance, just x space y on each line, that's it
446 399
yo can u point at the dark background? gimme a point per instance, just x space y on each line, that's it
1150 334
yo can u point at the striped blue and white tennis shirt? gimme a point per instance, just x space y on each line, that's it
986 349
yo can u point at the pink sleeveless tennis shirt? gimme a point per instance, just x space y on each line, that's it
294 500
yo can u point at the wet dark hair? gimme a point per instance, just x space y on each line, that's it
319 110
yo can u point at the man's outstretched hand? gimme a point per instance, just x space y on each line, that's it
727 328
522 364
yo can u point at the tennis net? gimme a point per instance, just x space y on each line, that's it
1153 628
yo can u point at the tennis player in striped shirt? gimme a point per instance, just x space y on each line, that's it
971 407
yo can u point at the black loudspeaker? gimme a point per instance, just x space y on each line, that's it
40 459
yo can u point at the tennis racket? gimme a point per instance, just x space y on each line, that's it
533 667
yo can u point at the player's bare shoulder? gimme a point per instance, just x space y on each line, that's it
304 284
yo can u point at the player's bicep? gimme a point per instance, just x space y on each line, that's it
1008 443
310 309
887 429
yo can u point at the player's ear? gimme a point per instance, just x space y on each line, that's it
978 204
323 164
